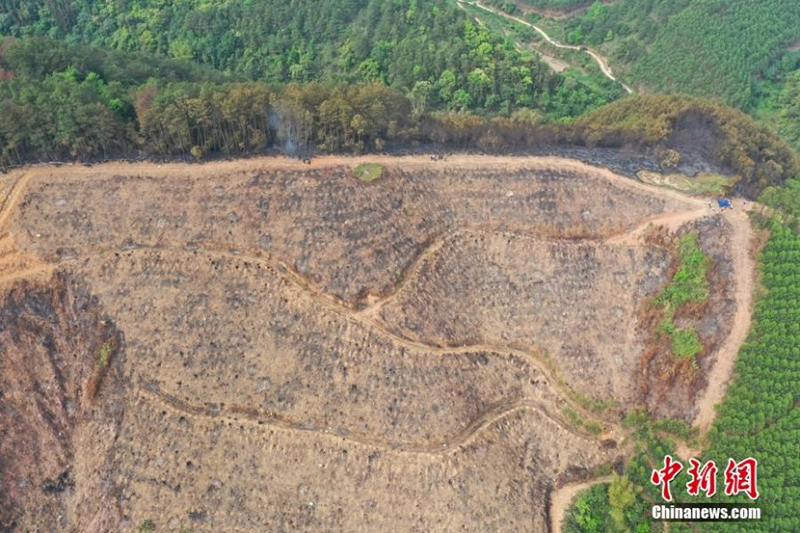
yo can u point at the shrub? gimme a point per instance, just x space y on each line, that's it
368 172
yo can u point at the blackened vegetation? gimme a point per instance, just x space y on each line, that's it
59 484
50 338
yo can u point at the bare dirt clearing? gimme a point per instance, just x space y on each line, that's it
304 350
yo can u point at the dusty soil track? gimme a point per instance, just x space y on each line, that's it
476 429
448 445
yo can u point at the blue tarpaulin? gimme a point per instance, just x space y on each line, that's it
724 203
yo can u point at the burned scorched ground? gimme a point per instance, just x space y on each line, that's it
275 346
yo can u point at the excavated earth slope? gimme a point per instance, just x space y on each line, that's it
274 346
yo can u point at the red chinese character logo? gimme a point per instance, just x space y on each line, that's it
704 479
664 476
741 477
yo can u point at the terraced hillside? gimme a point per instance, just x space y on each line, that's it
256 345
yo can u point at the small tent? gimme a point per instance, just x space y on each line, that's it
723 203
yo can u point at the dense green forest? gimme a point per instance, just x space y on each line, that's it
777 97
760 415
710 48
431 48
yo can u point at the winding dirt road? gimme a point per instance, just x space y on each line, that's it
493 415
601 62
13 198
13 264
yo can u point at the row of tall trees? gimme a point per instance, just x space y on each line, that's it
82 103
70 115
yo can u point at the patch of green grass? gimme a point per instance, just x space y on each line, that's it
590 404
704 184
688 285
676 427
711 184
604 469
368 172
147 526
576 420
104 354
685 342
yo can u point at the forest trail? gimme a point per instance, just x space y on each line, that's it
557 13
561 500
600 60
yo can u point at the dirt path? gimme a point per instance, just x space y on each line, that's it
556 14
13 198
670 221
562 497
212 169
40 270
13 264
491 416
600 60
